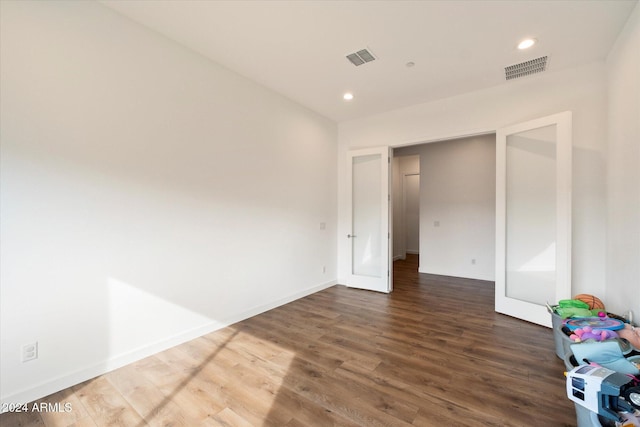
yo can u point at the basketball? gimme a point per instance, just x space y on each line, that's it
592 301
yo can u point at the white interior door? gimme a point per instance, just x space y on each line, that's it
533 217
368 192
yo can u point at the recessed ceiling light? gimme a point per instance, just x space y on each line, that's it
347 96
526 43
410 64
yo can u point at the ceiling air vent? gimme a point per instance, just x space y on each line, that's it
361 57
526 68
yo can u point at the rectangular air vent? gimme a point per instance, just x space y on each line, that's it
526 68
361 57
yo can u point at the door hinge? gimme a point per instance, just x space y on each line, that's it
389 160
388 197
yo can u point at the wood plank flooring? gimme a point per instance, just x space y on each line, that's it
432 353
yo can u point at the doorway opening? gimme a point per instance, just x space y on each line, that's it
447 189
406 206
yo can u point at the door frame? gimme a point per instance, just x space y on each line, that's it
511 306
454 134
383 283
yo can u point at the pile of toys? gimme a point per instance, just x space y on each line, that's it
602 355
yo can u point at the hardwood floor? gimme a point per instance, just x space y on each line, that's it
432 353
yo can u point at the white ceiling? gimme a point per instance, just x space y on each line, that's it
298 48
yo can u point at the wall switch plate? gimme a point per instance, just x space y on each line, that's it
473 261
436 223
29 352
323 225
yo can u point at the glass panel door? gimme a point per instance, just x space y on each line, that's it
368 192
366 220
533 217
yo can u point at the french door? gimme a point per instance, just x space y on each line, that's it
369 200
533 217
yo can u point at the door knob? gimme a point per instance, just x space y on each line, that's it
350 236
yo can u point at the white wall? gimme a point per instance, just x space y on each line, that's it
623 167
148 195
457 191
402 165
581 90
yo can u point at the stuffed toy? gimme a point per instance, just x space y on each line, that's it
588 333
631 334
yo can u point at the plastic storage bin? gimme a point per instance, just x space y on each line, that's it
584 417
564 343
595 421
563 340
556 323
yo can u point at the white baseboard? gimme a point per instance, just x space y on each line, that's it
65 381
413 252
456 274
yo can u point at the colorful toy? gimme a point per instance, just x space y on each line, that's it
588 333
572 308
595 323
592 301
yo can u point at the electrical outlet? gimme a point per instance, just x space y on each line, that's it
436 223
473 261
323 225
29 352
